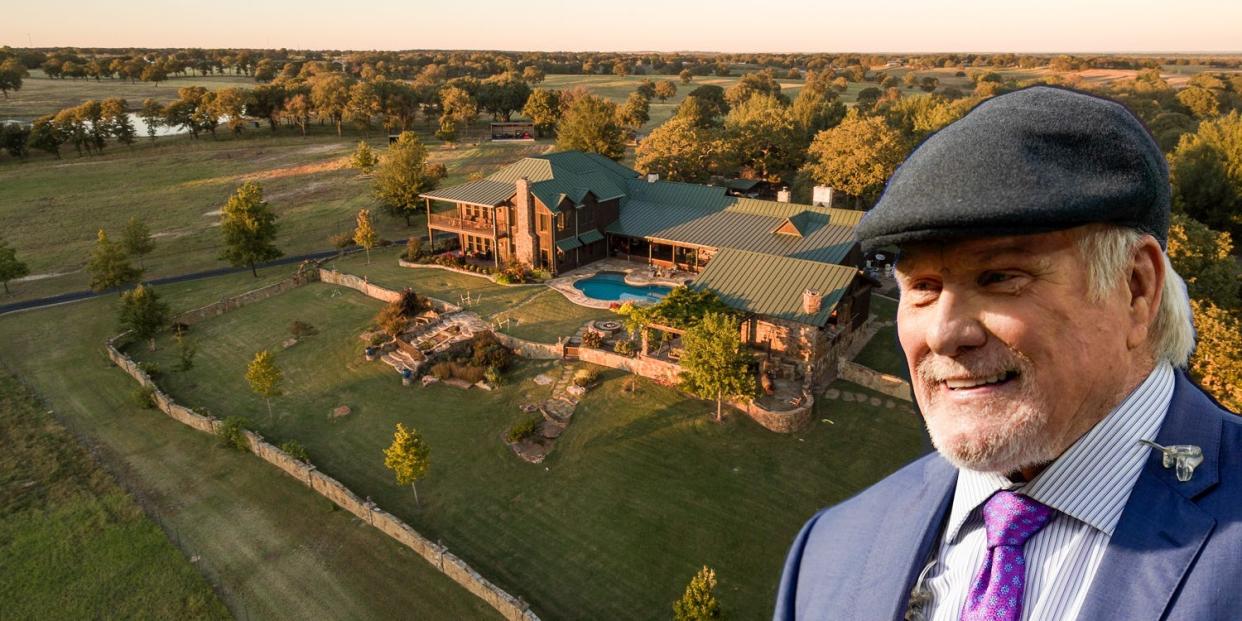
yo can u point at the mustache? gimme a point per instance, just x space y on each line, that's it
934 369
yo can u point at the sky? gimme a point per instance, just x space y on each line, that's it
636 25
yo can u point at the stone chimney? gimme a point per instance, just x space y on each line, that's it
525 242
822 196
812 301
653 177
784 195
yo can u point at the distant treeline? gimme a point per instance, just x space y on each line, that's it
157 65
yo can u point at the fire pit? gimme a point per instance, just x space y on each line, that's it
606 326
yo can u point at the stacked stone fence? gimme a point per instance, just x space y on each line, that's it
883 383
301 277
661 371
510 607
371 290
529 349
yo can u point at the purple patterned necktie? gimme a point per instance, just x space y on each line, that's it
1011 519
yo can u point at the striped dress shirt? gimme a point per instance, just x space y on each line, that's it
1088 485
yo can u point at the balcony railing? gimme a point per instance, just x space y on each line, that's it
464 225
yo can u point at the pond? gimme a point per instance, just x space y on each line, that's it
611 286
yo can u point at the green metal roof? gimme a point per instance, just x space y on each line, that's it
567 244
569 175
483 192
590 237
762 284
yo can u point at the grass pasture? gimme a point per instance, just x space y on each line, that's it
273 548
42 95
641 490
72 542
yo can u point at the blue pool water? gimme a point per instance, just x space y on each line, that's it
611 286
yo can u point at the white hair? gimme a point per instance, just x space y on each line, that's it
1108 252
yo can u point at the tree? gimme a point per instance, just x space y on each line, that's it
249 228
635 112
297 110
402 175
11 73
109 267
364 104
815 110
715 365
680 150
1204 258
646 88
762 139
1202 102
142 313
15 139
46 135
1217 361
154 73
136 239
230 104
502 95
532 75
686 76
264 377
364 233
757 83
698 603
1206 173
543 107
330 97
713 97
363 158
665 89
591 125
856 157
408 457
152 115
10 267
458 108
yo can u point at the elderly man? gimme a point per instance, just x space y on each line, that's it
1045 331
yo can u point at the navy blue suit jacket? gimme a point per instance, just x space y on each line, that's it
1175 555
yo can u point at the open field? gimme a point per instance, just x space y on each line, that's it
50 210
273 548
639 492
42 95
57 504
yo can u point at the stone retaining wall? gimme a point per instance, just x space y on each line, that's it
510 607
304 275
362 285
889 385
782 421
661 371
529 349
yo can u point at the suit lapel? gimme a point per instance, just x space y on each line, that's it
1161 529
909 529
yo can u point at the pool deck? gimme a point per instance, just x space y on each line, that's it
637 275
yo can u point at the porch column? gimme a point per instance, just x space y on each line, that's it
495 240
431 239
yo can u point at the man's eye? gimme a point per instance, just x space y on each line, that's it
992 278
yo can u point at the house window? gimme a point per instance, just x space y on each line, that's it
560 221
544 219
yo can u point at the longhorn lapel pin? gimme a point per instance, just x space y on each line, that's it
1183 458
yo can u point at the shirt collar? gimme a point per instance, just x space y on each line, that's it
1090 481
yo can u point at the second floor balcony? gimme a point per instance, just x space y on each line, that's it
473 226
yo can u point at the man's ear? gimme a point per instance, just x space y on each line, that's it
1146 285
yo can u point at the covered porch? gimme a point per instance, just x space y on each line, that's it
482 230
660 253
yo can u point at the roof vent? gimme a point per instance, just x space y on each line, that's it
653 177
812 301
784 196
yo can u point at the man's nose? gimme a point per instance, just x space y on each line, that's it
955 328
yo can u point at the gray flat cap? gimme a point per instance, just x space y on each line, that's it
1036 160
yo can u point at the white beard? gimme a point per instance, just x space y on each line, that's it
1001 435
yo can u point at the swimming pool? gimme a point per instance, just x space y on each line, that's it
611 286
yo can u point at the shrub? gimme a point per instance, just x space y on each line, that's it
300 329
341 241
503 279
295 450
150 368
144 396
413 248
488 352
592 339
186 349
492 375
230 433
523 429
540 274
377 339
625 347
585 377
442 370
469 373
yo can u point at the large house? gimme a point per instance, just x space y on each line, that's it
793 269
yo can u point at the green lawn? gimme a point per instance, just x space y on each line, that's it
72 542
883 352
639 492
273 548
